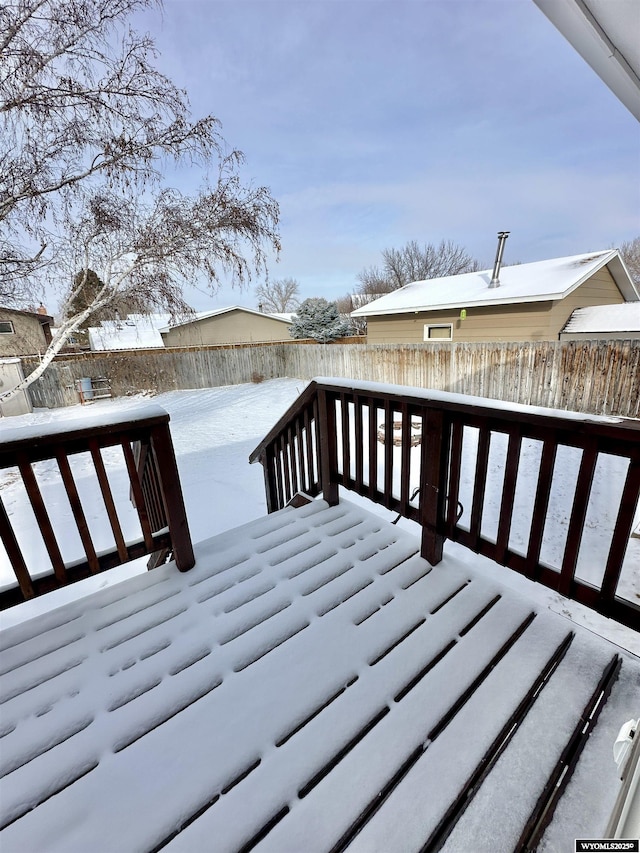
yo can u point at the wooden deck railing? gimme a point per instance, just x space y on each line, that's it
363 436
154 489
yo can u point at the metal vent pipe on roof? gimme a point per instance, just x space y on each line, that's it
495 278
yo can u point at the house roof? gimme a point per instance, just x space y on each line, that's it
138 331
205 315
605 34
43 318
605 318
540 281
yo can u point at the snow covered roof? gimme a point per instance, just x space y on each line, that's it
540 281
204 315
605 318
138 331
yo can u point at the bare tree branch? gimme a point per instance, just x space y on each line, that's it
415 263
278 297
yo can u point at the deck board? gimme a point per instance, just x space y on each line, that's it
309 661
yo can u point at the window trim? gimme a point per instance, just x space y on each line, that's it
429 326
10 331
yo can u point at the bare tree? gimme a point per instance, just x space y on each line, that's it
145 251
415 263
278 297
356 325
630 251
86 126
80 100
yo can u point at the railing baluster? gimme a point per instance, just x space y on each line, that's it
76 509
268 468
346 440
311 480
42 517
167 469
540 507
303 485
405 458
286 471
373 448
292 462
455 467
479 485
137 494
277 456
359 444
512 465
15 554
107 497
578 515
621 534
388 453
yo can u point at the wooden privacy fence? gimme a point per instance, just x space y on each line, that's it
330 437
600 377
155 492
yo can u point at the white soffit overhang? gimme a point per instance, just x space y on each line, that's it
606 33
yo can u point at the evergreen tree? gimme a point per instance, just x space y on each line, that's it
318 319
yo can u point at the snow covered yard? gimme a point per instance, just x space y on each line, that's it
214 430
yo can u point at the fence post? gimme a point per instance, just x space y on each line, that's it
327 443
162 447
435 450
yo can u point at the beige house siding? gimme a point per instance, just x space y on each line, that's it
28 336
528 321
233 327
600 289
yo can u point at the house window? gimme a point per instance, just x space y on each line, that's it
440 332
6 327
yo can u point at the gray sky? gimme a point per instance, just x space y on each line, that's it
374 123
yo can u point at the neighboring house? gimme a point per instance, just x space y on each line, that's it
234 325
138 331
532 302
603 323
24 332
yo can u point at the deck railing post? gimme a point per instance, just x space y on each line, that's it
327 443
162 447
435 448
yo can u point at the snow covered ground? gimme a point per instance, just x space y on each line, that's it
214 430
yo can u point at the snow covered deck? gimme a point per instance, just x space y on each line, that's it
311 684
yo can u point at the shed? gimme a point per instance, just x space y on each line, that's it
233 325
532 302
603 322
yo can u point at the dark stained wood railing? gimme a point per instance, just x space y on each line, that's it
364 437
155 492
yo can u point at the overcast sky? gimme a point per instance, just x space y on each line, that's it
375 123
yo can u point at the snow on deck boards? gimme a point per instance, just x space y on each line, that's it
308 663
